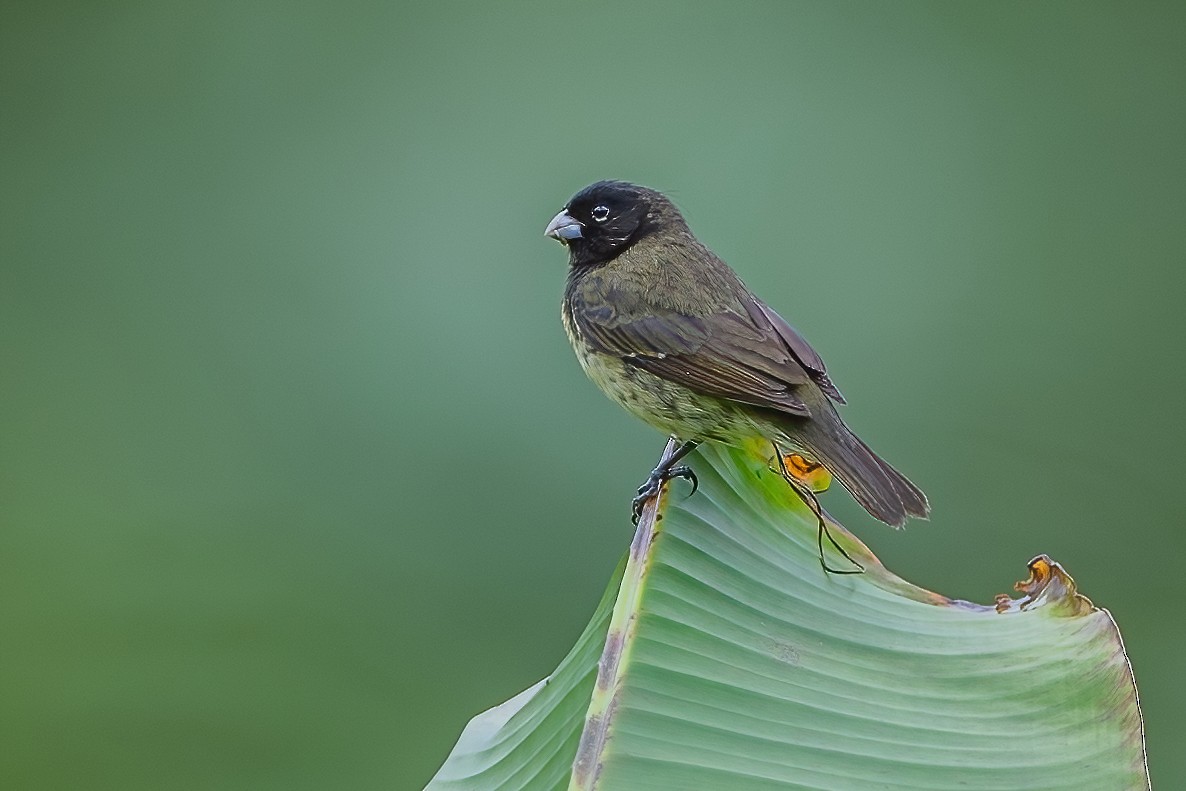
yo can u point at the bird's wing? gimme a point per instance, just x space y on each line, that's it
801 349
738 355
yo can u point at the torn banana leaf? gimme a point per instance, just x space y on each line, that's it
723 657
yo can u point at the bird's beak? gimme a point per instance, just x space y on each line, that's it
563 228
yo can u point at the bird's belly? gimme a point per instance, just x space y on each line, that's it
669 407
663 404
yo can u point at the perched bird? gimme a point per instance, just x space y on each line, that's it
666 329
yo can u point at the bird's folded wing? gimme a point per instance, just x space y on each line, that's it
799 346
723 354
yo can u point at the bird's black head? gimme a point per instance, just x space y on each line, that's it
606 218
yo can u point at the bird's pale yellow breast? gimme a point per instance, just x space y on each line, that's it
661 403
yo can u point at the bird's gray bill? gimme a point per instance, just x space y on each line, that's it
563 228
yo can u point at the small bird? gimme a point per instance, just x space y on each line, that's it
667 330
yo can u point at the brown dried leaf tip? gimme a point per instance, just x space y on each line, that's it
1049 585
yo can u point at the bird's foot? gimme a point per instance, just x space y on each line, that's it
654 484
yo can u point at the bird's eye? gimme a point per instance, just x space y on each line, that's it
600 213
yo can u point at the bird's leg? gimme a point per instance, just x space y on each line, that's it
663 472
812 502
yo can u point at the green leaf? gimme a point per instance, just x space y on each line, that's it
725 658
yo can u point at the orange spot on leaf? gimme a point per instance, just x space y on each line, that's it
809 472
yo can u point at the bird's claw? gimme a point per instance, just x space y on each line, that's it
688 475
654 484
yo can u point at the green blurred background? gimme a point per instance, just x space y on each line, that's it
297 471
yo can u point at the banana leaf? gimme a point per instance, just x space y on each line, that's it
723 657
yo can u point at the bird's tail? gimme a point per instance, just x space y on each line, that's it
881 490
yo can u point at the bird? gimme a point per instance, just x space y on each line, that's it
669 331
